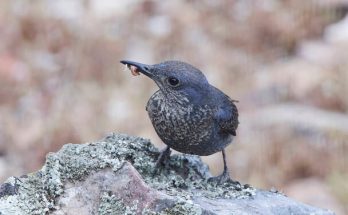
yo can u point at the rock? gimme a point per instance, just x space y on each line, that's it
84 197
115 176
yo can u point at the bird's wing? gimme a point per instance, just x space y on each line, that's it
227 116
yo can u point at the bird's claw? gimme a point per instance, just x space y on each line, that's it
223 178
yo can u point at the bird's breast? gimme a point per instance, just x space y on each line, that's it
183 126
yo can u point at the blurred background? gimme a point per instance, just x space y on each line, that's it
285 61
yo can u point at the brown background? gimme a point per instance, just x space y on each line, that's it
285 61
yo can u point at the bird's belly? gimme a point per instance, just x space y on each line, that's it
186 130
198 140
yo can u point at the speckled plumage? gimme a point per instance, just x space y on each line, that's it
192 116
186 127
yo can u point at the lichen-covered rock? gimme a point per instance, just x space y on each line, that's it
115 176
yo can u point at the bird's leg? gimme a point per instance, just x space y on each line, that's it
225 176
163 157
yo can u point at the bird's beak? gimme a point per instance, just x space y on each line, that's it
142 68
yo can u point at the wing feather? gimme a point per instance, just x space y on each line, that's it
227 116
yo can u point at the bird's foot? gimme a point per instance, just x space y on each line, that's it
162 159
223 178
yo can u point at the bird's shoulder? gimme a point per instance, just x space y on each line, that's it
226 112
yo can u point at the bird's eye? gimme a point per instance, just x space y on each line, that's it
173 81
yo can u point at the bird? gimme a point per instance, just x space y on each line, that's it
189 114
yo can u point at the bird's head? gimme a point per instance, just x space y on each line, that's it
174 77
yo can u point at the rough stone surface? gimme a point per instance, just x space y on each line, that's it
115 176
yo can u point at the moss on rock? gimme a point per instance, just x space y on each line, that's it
183 181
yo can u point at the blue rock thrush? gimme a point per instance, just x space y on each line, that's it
188 114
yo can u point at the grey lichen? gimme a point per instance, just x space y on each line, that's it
110 205
180 208
183 208
182 176
37 192
183 180
9 188
183 173
31 198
